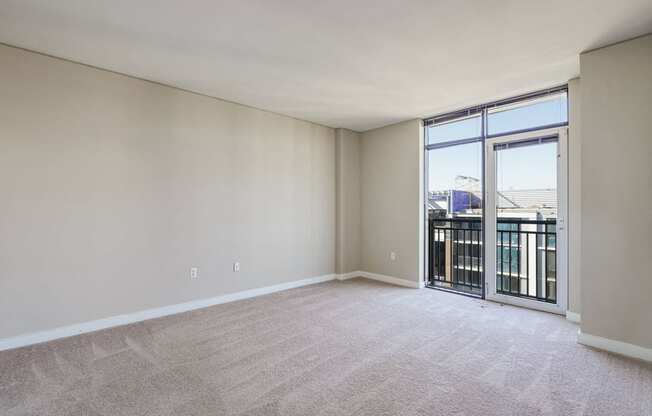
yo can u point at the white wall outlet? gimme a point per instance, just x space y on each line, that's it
194 273
236 266
393 256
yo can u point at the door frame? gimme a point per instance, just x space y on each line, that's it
561 134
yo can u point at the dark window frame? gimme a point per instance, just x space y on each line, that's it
467 112
483 110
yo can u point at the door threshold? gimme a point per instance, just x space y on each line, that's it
457 292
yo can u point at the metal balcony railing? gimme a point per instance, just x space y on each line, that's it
525 256
455 254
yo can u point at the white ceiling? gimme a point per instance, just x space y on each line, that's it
342 63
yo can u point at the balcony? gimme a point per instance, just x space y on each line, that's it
525 256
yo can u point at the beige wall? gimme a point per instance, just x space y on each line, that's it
617 192
112 188
347 173
574 197
392 192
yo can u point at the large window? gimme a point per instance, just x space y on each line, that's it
549 110
465 127
455 193
528 112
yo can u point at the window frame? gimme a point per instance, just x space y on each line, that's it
467 112
484 109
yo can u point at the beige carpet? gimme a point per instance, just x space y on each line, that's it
356 347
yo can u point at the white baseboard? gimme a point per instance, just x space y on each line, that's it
392 280
349 275
573 317
96 325
617 347
81 328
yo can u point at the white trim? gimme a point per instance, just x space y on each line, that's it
81 328
350 275
422 219
526 303
617 347
573 317
392 280
490 220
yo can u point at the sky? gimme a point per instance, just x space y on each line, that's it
530 167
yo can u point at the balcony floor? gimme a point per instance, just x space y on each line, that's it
337 348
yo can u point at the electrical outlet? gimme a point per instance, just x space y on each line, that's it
194 273
392 256
236 266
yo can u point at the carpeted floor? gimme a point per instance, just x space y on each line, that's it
356 347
